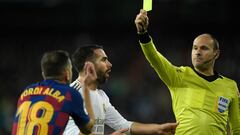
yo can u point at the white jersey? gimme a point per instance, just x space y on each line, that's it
104 113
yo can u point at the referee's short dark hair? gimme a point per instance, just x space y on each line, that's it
82 54
53 63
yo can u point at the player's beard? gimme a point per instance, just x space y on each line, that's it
101 77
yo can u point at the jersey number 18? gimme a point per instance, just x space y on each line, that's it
29 114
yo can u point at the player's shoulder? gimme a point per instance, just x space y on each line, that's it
101 92
73 93
72 89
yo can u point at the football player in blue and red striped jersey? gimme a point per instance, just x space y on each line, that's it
44 108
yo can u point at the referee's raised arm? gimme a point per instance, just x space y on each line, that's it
142 23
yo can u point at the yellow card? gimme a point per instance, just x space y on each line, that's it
147 5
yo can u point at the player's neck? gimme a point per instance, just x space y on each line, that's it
93 86
58 79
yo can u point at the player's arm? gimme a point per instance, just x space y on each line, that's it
116 121
79 122
81 119
234 113
89 78
153 129
120 131
112 117
166 71
87 129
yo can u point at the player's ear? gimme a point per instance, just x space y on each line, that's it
66 75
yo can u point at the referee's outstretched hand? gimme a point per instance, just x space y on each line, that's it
142 22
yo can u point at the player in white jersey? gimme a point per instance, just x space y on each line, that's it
104 112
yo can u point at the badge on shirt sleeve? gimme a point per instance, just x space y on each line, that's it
222 104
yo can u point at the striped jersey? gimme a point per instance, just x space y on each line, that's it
44 109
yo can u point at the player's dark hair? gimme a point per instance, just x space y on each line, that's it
53 63
83 54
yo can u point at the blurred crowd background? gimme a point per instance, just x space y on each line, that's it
28 28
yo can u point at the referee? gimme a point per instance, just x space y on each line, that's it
203 100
